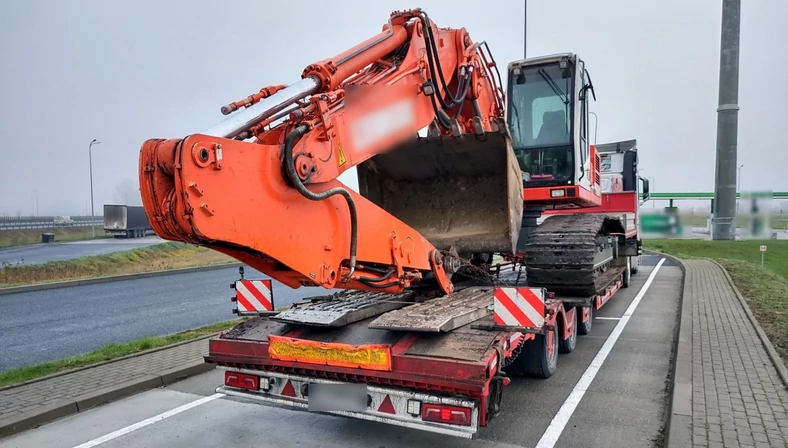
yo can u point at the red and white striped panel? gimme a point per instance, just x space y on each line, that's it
254 296
519 307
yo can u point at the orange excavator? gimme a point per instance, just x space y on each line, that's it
452 169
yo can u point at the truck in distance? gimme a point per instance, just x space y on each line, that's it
125 221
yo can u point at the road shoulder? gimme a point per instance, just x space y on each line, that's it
728 386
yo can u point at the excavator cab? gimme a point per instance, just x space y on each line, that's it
547 114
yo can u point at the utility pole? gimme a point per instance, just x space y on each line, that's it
723 227
92 213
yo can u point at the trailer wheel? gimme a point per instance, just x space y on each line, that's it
585 327
535 358
568 345
627 273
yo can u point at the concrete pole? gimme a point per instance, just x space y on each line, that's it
724 224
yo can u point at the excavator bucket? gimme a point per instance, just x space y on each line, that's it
461 192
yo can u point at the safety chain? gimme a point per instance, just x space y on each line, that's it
515 354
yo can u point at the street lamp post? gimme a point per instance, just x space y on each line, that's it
738 190
92 212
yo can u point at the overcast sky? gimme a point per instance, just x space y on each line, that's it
123 72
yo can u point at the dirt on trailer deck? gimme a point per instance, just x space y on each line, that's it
442 314
465 343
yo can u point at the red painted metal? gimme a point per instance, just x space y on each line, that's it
433 372
623 202
568 318
602 299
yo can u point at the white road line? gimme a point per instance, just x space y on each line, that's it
607 318
553 432
148 421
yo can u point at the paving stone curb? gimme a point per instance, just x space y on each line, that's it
101 363
64 408
113 278
678 432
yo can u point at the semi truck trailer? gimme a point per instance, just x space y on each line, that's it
125 221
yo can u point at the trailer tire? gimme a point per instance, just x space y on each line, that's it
627 273
585 327
535 359
568 345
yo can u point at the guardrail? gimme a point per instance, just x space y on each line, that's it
17 225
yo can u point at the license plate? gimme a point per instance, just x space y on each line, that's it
325 397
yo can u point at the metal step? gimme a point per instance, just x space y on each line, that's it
440 315
344 308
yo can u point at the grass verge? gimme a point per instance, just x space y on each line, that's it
777 221
108 353
765 288
22 237
165 256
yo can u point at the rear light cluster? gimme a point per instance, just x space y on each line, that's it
246 381
441 413
438 413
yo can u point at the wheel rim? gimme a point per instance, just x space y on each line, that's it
590 322
552 349
573 336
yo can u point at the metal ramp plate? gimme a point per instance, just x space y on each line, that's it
440 315
344 308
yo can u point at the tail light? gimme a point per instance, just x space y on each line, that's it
440 413
241 380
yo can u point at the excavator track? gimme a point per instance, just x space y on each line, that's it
573 255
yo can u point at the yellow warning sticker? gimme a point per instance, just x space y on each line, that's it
341 155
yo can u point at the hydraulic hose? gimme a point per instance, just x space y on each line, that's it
290 140
432 52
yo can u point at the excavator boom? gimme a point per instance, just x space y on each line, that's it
262 186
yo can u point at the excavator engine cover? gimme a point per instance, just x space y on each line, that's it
463 193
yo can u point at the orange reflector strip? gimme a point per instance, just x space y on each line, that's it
373 357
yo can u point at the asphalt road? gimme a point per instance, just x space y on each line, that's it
41 253
624 404
47 325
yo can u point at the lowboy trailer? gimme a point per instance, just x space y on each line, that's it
439 366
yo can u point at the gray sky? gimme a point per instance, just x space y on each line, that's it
123 72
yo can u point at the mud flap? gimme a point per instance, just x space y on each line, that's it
464 192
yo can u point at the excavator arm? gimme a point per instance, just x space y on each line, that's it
262 186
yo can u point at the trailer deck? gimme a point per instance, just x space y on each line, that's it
457 360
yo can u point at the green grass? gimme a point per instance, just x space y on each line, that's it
699 220
110 352
22 237
765 288
165 256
